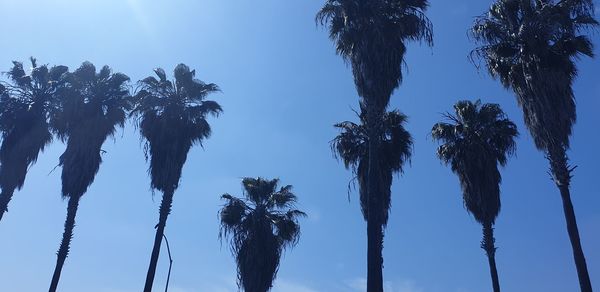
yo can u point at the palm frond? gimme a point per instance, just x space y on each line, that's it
284 198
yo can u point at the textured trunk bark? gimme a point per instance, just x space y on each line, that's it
374 218
580 264
63 251
165 209
562 177
488 245
5 198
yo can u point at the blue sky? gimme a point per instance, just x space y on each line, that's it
283 88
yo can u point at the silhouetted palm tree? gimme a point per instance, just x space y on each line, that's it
90 111
352 144
531 46
371 36
171 118
477 139
260 226
25 104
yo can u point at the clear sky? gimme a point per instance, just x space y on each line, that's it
283 89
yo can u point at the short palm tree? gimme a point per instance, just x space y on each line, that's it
476 139
371 36
531 47
352 146
261 226
90 112
25 105
171 118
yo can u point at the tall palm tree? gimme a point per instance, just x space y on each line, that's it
261 226
25 105
352 146
476 139
171 118
90 112
531 46
371 36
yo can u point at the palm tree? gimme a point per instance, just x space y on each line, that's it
531 46
371 36
25 105
94 106
352 146
477 139
261 226
171 118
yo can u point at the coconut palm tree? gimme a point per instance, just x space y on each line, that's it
476 139
352 146
531 47
371 35
90 112
171 116
25 104
260 226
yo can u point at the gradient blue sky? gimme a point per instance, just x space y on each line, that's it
283 88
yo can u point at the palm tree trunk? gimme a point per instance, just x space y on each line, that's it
63 251
374 218
488 245
164 211
5 198
562 177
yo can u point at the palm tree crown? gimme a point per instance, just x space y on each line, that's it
371 35
531 47
478 138
172 117
25 105
261 226
351 145
91 110
24 110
